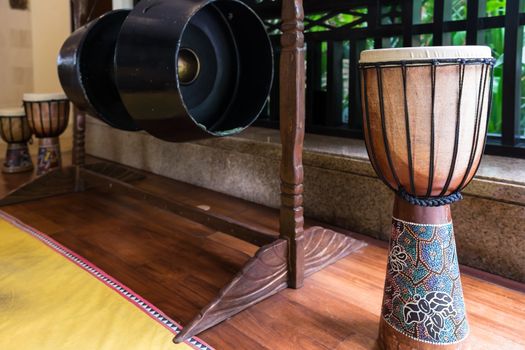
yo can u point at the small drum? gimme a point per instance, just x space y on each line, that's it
14 130
48 116
425 113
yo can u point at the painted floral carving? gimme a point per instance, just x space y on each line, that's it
398 258
431 310
423 296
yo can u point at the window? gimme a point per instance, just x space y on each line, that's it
337 31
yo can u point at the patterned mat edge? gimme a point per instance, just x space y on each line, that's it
126 292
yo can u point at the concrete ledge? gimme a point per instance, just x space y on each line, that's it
341 187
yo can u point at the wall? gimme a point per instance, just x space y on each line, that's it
29 44
51 25
16 54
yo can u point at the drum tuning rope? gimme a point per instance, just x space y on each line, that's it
430 201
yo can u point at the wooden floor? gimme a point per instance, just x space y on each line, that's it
179 265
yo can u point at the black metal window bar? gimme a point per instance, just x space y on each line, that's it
336 31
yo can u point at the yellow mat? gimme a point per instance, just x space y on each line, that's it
51 298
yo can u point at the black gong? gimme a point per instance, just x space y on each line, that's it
86 70
181 69
191 69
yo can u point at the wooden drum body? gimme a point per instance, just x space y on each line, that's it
425 114
48 116
14 130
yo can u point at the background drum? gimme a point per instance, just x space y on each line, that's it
14 130
425 114
48 116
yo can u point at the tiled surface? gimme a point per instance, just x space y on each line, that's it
491 235
502 169
340 186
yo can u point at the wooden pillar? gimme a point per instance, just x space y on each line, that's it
79 14
292 105
82 11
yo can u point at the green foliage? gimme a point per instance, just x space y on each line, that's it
339 20
458 38
494 38
495 8
427 11
457 11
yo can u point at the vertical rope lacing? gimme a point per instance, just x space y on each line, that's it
428 200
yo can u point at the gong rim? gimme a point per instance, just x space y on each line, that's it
86 70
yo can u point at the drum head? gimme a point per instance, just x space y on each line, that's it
425 113
425 53
12 112
44 97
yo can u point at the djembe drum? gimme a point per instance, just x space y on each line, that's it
48 116
14 130
425 114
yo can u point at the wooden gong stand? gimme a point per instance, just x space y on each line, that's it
282 261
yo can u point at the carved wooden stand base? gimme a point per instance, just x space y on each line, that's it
262 276
63 180
52 183
267 273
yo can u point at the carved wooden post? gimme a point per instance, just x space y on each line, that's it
79 11
292 102
79 152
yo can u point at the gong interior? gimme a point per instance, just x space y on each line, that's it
210 39
236 67
188 66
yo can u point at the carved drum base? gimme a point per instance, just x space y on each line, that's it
49 157
423 306
17 159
